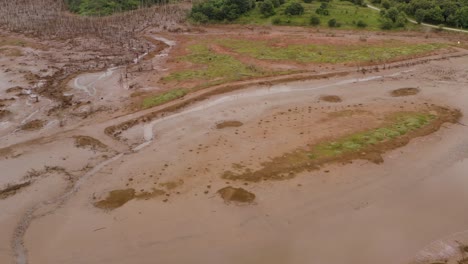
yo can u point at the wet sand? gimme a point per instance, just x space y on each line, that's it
353 213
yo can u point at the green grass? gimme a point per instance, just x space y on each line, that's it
213 67
163 98
344 12
328 53
356 142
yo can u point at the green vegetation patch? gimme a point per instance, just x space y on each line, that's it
213 67
328 53
345 13
360 141
163 98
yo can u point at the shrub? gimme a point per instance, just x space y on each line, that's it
314 21
332 22
361 24
276 21
266 8
275 3
294 9
307 1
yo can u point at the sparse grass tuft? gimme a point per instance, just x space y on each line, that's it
163 98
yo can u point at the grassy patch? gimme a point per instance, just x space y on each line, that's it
266 50
344 12
163 98
357 142
213 67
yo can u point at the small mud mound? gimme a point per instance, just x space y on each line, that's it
33 125
13 189
89 143
116 199
239 195
229 124
404 92
4 113
16 89
330 98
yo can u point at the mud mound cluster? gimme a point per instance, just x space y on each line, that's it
226 124
238 195
404 92
33 125
89 143
330 98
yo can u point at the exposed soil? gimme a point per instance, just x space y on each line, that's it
330 98
90 143
13 189
226 124
33 125
237 195
404 92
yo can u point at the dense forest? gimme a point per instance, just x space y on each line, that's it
106 7
447 12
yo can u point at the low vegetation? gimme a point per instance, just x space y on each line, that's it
448 12
106 7
315 53
213 67
163 98
402 125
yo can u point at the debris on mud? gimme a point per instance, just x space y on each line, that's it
239 195
232 123
13 189
118 198
170 185
330 98
404 92
89 143
33 125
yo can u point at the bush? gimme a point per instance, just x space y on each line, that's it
314 21
266 8
307 1
332 22
361 24
386 24
323 12
221 10
294 9
276 21
275 3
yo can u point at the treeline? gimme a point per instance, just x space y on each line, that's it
440 12
107 7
